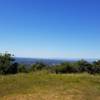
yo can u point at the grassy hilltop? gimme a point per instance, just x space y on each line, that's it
67 81
45 86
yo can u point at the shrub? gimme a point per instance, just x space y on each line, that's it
22 68
38 66
7 64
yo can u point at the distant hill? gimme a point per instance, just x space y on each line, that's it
29 61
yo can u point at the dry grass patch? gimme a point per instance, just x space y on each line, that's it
45 86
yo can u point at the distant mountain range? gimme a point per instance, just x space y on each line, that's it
29 61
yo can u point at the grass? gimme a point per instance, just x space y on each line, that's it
46 86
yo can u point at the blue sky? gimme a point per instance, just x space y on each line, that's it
50 28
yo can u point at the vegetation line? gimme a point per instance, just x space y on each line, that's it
9 66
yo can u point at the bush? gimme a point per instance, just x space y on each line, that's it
7 64
22 68
38 66
63 68
83 66
13 69
77 67
96 65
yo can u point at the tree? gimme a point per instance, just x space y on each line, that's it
22 68
96 66
83 66
38 66
65 67
13 69
7 64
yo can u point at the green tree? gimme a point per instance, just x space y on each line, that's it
65 67
83 65
96 66
38 66
22 68
7 64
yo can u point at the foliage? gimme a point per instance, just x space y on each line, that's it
96 67
77 67
38 66
22 68
63 68
7 64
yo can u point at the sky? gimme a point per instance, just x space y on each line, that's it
50 28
